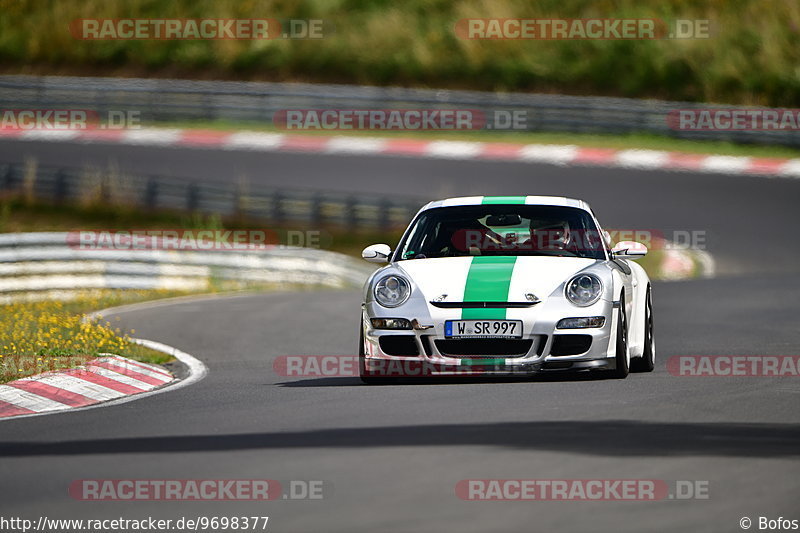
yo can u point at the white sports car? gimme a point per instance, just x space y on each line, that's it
505 285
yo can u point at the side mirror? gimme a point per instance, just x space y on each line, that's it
377 253
629 250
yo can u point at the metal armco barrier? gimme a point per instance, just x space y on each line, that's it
170 100
279 206
36 265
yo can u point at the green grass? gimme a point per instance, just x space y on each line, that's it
42 336
639 141
751 58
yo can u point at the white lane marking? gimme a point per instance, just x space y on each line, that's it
355 145
645 159
118 377
546 153
49 135
791 169
725 163
155 136
80 386
453 149
197 369
28 400
251 140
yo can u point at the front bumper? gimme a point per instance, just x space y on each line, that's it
427 352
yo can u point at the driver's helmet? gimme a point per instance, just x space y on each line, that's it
551 234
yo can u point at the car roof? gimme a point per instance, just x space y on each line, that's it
528 200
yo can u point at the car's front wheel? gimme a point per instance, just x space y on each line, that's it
647 362
622 364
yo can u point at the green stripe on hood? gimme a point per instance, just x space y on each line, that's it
488 280
503 200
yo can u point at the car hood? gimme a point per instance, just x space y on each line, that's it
486 278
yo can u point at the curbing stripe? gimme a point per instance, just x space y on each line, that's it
462 150
28 400
9 409
53 393
96 392
119 378
105 397
137 379
89 374
133 370
148 366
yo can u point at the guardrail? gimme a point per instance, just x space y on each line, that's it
152 192
181 100
47 264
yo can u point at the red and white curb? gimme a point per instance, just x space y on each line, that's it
494 151
104 381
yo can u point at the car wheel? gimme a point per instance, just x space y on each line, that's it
622 369
647 362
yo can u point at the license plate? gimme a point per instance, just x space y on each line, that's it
483 329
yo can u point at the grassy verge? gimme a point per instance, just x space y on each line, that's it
37 337
636 141
749 57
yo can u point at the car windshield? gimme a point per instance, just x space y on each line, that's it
503 230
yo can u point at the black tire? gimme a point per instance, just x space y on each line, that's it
647 362
621 371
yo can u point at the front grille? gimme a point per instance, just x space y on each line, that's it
564 345
398 345
484 347
483 305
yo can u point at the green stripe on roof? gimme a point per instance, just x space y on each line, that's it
488 280
503 200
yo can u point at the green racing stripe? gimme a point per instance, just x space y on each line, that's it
489 277
503 200
483 362
488 280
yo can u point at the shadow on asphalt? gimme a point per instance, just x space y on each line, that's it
356 382
601 437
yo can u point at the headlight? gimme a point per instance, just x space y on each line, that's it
580 322
392 291
584 289
390 323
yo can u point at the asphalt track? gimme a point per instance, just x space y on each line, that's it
392 455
